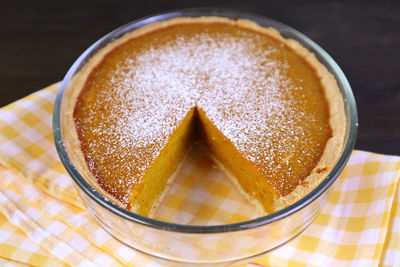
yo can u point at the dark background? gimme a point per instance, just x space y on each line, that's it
40 40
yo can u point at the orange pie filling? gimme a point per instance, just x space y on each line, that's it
269 114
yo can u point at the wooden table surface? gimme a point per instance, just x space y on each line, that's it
40 40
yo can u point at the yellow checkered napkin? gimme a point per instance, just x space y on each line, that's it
44 223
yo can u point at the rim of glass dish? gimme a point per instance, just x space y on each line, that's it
286 31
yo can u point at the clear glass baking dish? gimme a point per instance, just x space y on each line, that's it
220 244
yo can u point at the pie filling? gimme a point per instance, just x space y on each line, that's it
255 101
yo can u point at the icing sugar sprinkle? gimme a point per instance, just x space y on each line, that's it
240 83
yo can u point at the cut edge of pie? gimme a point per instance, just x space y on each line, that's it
326 163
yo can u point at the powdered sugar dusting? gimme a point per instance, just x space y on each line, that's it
239 80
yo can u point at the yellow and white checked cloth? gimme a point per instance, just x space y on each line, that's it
44 223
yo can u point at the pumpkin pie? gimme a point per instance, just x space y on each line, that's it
269 114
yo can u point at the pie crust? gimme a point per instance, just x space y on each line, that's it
333 97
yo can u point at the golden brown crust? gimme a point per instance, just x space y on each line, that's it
336 107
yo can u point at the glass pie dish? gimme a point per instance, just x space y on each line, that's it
217 244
